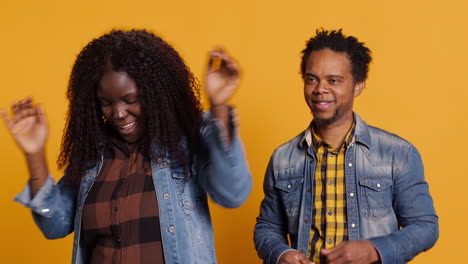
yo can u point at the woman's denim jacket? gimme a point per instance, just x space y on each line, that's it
186 229
387 200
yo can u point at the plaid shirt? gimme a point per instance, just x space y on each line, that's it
329 225
121 215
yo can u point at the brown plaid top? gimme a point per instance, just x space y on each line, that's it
121 214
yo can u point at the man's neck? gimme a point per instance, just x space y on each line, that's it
334 134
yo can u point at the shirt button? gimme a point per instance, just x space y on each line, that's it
330 241
45 210
350 164
330 183
171 229
122 180
306 221
309 189
351 194
302 251
289 186
330 213
331 155
378 185
353 225
166 196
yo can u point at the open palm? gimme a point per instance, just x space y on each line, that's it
28 125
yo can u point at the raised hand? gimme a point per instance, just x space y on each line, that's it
28 125
222 77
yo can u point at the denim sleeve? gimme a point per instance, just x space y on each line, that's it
270 234
53 207
224 172
415 212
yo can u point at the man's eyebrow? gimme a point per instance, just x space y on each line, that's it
310 75
335 76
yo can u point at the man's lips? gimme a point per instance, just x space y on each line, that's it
322 105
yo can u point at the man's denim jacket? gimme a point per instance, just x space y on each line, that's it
387 200
186 229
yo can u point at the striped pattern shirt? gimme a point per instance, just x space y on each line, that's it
121 215
329 225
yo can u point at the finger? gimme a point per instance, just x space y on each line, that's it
333 249
302 258
25 103
306 261
221 62
22 108
230 65
24 113
41 114
17 107
215 63
333 254
14 108
6 119
219 59
221 54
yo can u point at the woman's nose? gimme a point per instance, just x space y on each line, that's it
119 112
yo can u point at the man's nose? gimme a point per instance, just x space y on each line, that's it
321 87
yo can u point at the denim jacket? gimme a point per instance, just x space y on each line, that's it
388 201
186 229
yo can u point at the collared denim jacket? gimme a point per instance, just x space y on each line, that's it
388 201
186 229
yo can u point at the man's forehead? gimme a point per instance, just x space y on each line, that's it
329 61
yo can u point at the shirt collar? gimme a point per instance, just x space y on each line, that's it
313 140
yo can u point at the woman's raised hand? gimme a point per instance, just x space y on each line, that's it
27 125
222 77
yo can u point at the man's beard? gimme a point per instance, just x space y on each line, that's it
327 121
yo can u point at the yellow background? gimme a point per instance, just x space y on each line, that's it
418 88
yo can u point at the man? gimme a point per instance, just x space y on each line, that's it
343 191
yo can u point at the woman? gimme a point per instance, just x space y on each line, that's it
140 154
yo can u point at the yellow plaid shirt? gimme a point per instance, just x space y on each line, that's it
329 224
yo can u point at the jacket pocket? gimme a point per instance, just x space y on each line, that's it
188 192
376 197
290 190
289 184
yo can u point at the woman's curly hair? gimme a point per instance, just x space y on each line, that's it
168 93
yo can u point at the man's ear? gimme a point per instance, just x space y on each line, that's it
358 87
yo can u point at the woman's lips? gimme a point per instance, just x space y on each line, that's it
126 128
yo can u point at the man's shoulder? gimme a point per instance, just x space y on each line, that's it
382 138
291 144
289 152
